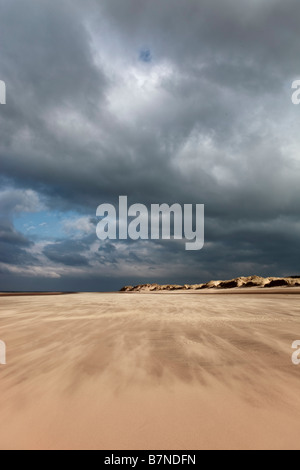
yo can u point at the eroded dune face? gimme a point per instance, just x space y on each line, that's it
244 282
150 372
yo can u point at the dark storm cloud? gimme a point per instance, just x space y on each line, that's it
14 255
13 246
67 253
261 31
9 235
201 114
46 43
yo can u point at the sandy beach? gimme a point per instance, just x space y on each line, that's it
150 371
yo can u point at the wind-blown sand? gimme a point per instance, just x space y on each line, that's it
142 371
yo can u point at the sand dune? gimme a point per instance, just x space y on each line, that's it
117 371
239 282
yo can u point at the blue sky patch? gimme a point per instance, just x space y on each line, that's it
44 225
145 55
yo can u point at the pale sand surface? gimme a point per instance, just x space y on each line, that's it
145 371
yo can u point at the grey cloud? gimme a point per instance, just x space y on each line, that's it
67 253
10 236
259 31
208 120
16 201
49 47
14 247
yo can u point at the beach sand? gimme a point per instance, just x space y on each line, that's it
176 371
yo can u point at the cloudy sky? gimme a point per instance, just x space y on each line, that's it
163 101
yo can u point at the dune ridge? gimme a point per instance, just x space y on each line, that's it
239 282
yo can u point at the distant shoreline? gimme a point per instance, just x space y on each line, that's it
26 294
284 290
